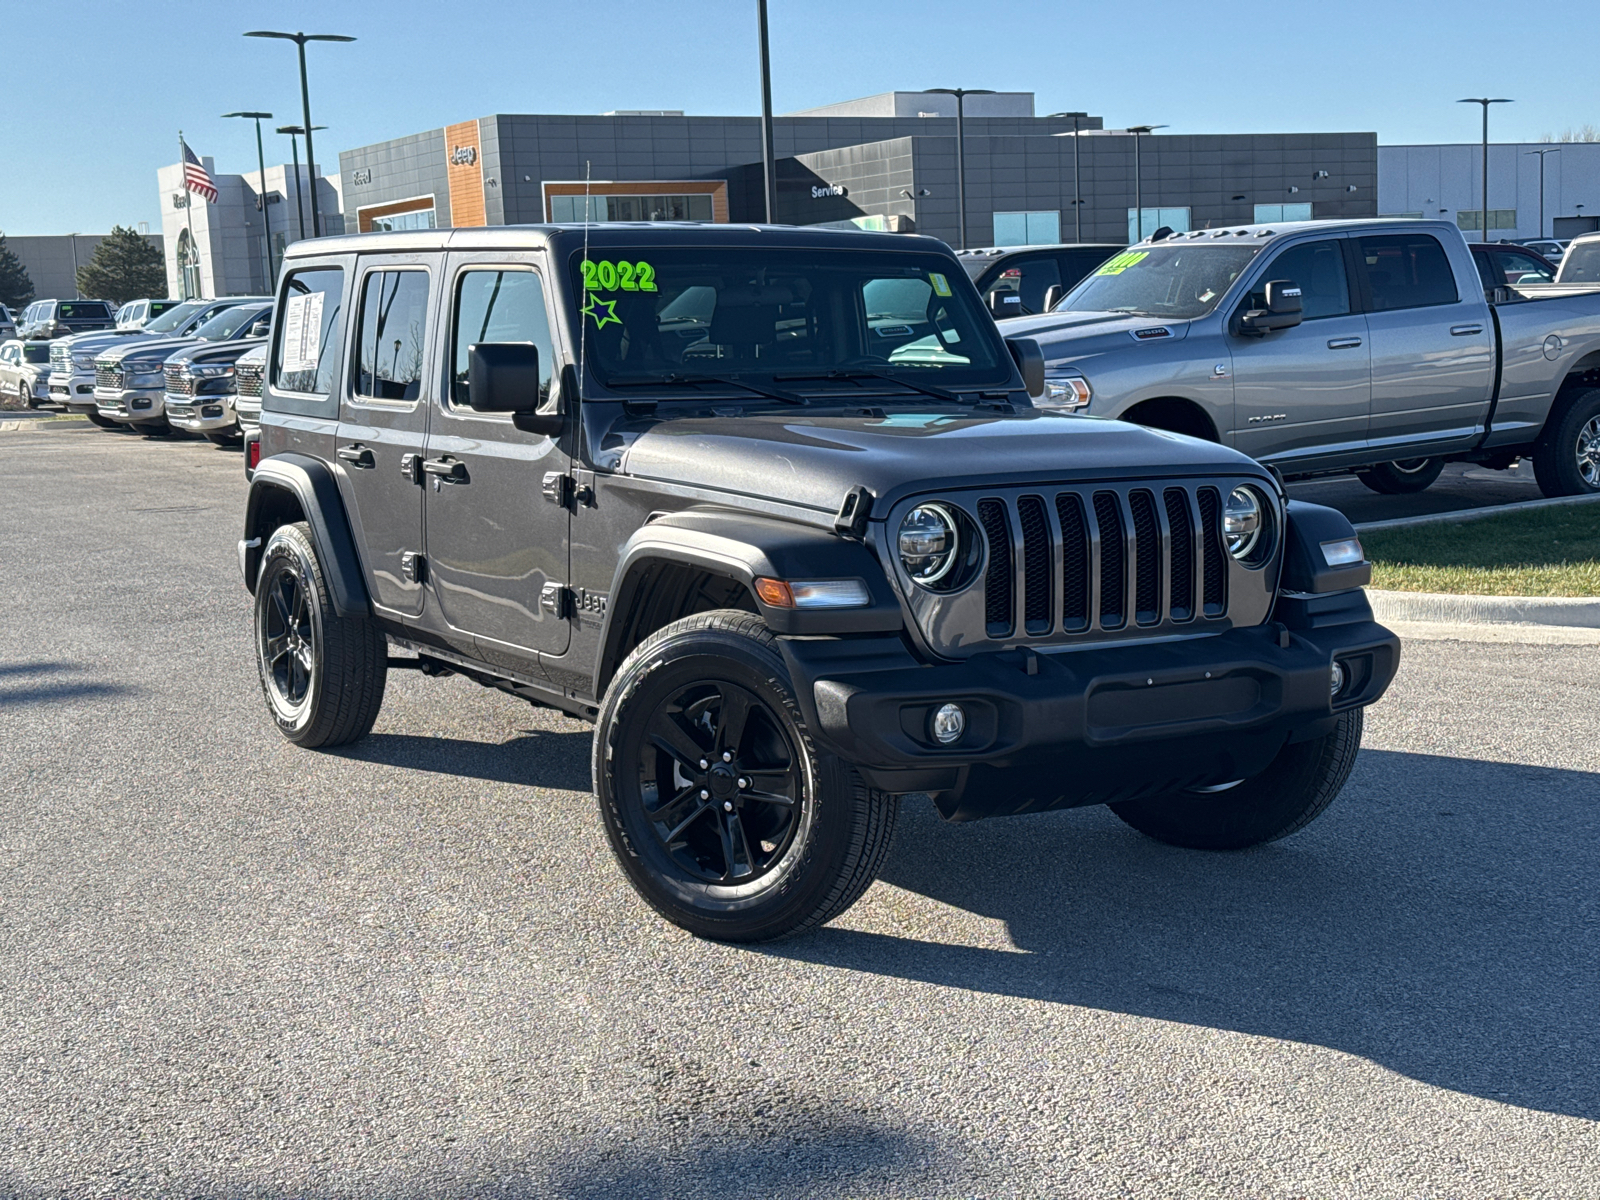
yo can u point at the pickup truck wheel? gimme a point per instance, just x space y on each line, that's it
323 675
1566 462
103 422
1403 477
724 816
1286 797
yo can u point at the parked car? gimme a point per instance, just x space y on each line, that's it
135 314
8 324
130 382
24 367
1501 264
44 320
1547 248
202 386
1017 281
72 359
1364 346
247 372
792 563
1581 263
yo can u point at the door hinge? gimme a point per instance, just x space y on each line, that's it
558 488
414 566
556 600
411 467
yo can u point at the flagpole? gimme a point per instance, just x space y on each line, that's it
188 208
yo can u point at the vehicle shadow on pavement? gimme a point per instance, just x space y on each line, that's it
20 684
1441 919
539 758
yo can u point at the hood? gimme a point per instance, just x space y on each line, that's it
815 461
1073 335
215 352
156 349
80 343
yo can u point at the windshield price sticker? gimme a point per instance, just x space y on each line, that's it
607 276
941 285
1118 263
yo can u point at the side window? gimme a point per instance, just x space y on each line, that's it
1318 267
1407 270
308 336
1030 278
1524 268
498 304
392 318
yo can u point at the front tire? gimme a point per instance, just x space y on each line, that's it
1286 797
323 675
1566 462
724 816
103 422
1404 477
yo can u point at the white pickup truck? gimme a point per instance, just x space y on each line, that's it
1326 346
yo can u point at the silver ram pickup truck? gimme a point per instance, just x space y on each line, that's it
1328 346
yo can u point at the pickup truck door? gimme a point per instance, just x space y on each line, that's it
1304 393
1432 344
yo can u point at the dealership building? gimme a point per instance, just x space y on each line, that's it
884 162
1536 189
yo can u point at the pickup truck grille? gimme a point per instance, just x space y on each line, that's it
107 376
1095 562
248 377
61 358
178 380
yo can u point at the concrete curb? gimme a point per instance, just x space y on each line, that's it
1475 514
1575 612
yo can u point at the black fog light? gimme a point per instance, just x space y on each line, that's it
211 410
948 724
142 403
1336 679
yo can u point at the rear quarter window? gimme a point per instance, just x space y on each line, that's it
305 352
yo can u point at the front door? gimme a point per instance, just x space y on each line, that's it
1304 393
382 420
1432 348
497 542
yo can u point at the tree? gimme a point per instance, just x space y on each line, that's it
16 289
125 267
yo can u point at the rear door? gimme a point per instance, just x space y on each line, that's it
1432 346
1304 393
383 416
497 537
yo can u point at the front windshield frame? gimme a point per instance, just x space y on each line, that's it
785 273
1133 266
227 323
174 317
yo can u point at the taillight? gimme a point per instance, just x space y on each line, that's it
252 453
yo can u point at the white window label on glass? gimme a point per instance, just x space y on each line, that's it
302 332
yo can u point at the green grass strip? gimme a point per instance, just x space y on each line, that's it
1542 552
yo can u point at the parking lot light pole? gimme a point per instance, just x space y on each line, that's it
1485 101
1138 132
294 153
961 150
300 40
1077 177
1541 154
769 167
266 219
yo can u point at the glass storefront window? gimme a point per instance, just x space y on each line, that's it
1175 219
1283 212
1027 228
422 218
632 208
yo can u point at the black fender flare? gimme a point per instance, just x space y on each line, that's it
744 548
313 486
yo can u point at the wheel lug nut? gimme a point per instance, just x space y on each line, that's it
727 805
704 795
743 782
727 756
704 764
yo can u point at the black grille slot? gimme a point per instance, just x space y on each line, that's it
997 582
1113 556
1182 570
1035 565
1146 558
1215 593
1074 563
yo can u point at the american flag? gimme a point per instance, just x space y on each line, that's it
195 178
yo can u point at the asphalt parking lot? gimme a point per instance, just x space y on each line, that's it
230 967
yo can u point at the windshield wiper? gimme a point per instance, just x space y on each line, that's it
852 376
671 379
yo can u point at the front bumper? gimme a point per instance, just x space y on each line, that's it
75 391
201 414
132 406
1093 726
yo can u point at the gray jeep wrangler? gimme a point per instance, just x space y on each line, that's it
774 510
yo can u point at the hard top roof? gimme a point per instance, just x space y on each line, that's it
1261 232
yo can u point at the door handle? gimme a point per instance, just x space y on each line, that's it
1465 330
448 469
357 456
1343 343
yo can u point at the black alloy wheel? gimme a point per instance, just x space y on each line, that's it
288 637
1403 477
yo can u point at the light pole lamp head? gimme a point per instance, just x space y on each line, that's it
300 38
296 129
1484 100
258 116
1136 130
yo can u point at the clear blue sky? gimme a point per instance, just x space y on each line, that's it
113 82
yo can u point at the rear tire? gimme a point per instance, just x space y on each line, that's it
1291 793
724 816
323 675
1404 477
1566 461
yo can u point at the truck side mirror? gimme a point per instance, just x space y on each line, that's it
504 377
1004 303
1282 311
1030 361
1052 296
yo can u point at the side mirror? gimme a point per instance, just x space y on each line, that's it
1052 296
1004 303
1283 310
504 377
261 328
1030 361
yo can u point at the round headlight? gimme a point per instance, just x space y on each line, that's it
1242 521
929 543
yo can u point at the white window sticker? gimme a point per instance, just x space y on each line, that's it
302 332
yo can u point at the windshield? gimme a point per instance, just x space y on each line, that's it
36 352
1581 264
174 317
93 309
1176 282
229 322
656 313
